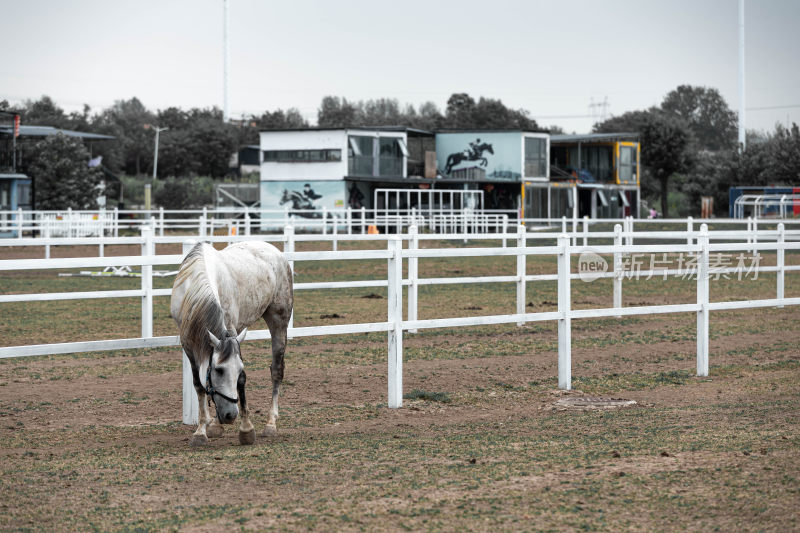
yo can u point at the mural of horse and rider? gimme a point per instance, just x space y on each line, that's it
494 156
305 199
473 153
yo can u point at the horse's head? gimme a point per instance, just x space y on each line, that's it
225 377
488 148
285 198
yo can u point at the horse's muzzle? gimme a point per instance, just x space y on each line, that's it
227 415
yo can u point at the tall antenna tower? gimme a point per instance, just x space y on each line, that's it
598 110
742 137
226 110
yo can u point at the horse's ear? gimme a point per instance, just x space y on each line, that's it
214 340
240 336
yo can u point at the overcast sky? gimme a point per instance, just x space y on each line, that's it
549 57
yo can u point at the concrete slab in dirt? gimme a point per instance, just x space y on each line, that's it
590 402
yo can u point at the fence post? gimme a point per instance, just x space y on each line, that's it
617 269
395 319
324 220
413 287
585 230
147 283
689 230
288 247
505 229
161 221
335 230
20 223
780 261
46 222
565 321
755 233
247 223
191 408
363 220
349 220
574 229
629 238
749 230
702 301
521 272
116 222
563 224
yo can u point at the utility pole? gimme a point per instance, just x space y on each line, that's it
226 111
742 139
155 150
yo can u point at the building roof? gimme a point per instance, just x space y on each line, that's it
488 130
46 131
594 137
12 176
358 128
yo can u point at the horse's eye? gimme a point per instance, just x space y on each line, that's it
219 371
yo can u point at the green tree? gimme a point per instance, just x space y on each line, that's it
133 147
335 112
783 155
460 111
706 112
59 167
43 112
184 193
428 117
666 143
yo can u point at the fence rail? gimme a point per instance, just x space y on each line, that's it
697 243
204 222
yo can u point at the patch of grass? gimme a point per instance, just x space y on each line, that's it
416 394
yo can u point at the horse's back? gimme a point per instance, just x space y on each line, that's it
259 275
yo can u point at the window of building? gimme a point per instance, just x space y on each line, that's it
535 157
627 164
602 196
536 202
391 156
302 156
361 161
24 194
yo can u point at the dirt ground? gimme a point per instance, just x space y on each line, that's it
94 441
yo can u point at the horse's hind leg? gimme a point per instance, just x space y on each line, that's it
277 319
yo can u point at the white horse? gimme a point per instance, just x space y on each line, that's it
216 294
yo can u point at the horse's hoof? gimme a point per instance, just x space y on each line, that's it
270 431
198 440
247 437
214 431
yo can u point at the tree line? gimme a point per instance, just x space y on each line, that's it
198 142
689 146
689 141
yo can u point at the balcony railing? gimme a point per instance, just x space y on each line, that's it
362 165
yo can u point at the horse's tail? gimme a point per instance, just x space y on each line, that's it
200 309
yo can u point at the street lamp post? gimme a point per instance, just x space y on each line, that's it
155 152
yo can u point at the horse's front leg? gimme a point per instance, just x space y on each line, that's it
199 438
247 433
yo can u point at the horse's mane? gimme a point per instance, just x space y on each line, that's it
200 309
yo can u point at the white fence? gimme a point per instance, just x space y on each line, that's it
204 222
696 242
760 205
